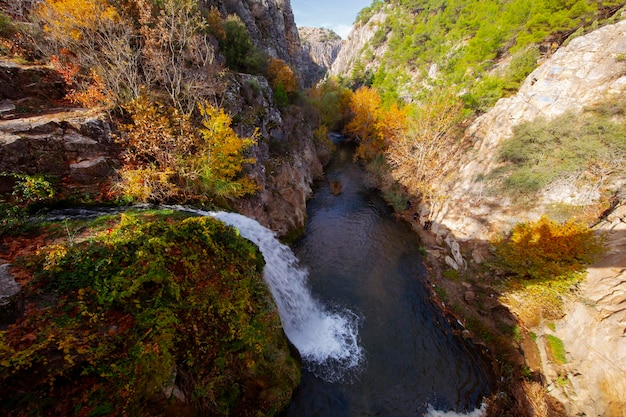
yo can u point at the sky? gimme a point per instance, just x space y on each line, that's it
338 15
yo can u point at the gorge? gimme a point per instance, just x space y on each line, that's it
380 299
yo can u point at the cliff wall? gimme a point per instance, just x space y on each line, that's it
353 48
320 48
588 71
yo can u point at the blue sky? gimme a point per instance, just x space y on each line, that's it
338 15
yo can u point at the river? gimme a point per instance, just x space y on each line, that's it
361 260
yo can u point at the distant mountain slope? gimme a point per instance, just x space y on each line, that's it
484 48
320 47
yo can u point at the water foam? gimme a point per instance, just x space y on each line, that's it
327 341
479 412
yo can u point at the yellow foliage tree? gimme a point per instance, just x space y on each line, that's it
545 249
75 18
167 159
220 157
373 126
100 39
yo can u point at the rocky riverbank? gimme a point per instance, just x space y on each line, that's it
592 327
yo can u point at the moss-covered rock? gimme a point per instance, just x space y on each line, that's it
154 314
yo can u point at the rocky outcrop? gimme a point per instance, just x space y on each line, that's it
287 161
11 304
28 87
353 48
588 70
75 146
69 144
594 333
320 48
271 25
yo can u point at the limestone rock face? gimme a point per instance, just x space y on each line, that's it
352 49
287 161
32 83
588 70
75 145
271 25
320 48
11 305
594 331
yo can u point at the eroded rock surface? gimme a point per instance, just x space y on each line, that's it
320 48
74 145
594 332
11 306
353 47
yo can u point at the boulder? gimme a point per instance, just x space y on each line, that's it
11 304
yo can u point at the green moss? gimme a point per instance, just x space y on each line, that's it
556 348
149 298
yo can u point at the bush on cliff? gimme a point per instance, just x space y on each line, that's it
590 145
545 250
150 305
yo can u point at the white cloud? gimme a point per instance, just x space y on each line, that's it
342 30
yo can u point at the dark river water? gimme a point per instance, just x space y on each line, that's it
361 259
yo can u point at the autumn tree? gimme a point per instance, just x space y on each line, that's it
279 73
332 102
177 53
100 40
373 126
546 250
167 159
420 159
216 168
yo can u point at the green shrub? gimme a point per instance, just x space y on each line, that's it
281 99
29 191
542 151
466 39
7 29
238 49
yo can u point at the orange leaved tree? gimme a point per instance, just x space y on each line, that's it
545 249
100 39
373 126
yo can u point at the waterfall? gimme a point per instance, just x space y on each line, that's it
479 412
327 341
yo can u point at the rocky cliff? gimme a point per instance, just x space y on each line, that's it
587 71
353 49
73 145
40 136
271 25
320 48
287 161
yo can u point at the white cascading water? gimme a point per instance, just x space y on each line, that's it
327 341
479 412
